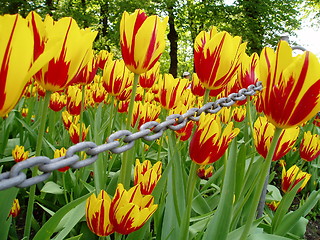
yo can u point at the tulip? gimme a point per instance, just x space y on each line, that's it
125 94
209 142
239 114
97 214
310 146
24 112
98 92
316 120
103 57
248 72
130 210
67 119
291 93
16 56
19 154
205 172
184 133
60 153
292 177
57 101
263 135
144 112
87 73
74 132
225 114
116 77
74 99
170 91
123 106
147 175
147 79
216 57
72 45
273 205
15 210
142 40
196 86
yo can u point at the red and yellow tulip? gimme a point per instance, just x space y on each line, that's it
239 113
71 45
60 153
205 172
19 154
57 101
15 210
210 141
74 98
170 91
97 214
116 77
291 93
147 79
16 60
292 177
142 40
103 57
196 87
130 210
263 135
248 72
216 57
310 146
74 132
147 175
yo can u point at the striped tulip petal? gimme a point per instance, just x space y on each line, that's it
310 146
291 93
97 214
210 141
142 40
130 210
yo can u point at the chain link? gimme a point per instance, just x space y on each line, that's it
117 142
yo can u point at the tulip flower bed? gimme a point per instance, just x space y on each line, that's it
248 171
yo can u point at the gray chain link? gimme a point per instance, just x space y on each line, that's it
117 142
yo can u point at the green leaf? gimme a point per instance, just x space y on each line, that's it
6 199
199 204
235 234
51 187
283 207
75 237
266 236
291 218
70 220
218 227
48 228
273 193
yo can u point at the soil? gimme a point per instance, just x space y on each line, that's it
313 230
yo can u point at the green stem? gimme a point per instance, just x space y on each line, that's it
43 118
260 183
81 111
219 225
128 156
249 115
98 166
192 180
206 96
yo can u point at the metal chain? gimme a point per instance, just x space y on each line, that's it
117 142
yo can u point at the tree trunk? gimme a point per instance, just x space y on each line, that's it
173 39
104 11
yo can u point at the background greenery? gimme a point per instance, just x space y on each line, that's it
259 22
